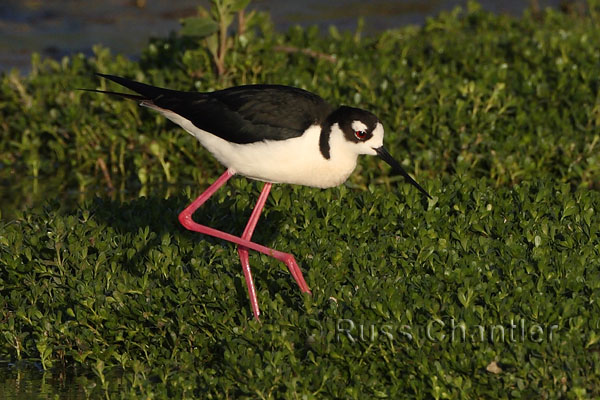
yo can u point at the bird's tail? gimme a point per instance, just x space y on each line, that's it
125 95
145 92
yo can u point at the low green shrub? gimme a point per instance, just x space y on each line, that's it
489 290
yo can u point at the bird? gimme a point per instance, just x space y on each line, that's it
270 133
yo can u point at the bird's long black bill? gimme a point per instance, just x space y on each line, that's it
385 156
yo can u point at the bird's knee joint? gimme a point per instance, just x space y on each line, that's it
185 219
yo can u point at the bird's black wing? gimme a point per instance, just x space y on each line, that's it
241 114
247 114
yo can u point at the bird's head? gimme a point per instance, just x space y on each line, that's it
361 130
363 134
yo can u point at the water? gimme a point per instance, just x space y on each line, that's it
27 381
61 27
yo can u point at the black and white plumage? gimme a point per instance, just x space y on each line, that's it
272 133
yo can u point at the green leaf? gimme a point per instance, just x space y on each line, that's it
198 27
239 5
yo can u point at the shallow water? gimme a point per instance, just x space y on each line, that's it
27 381
60 27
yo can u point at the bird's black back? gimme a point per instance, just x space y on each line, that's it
241 114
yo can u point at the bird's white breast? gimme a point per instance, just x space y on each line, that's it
295 161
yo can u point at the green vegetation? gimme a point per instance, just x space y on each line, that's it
498 118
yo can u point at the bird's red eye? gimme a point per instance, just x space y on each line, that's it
360 135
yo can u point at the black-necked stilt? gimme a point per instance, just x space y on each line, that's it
271 133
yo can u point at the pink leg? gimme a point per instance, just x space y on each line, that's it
185 218
243 251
